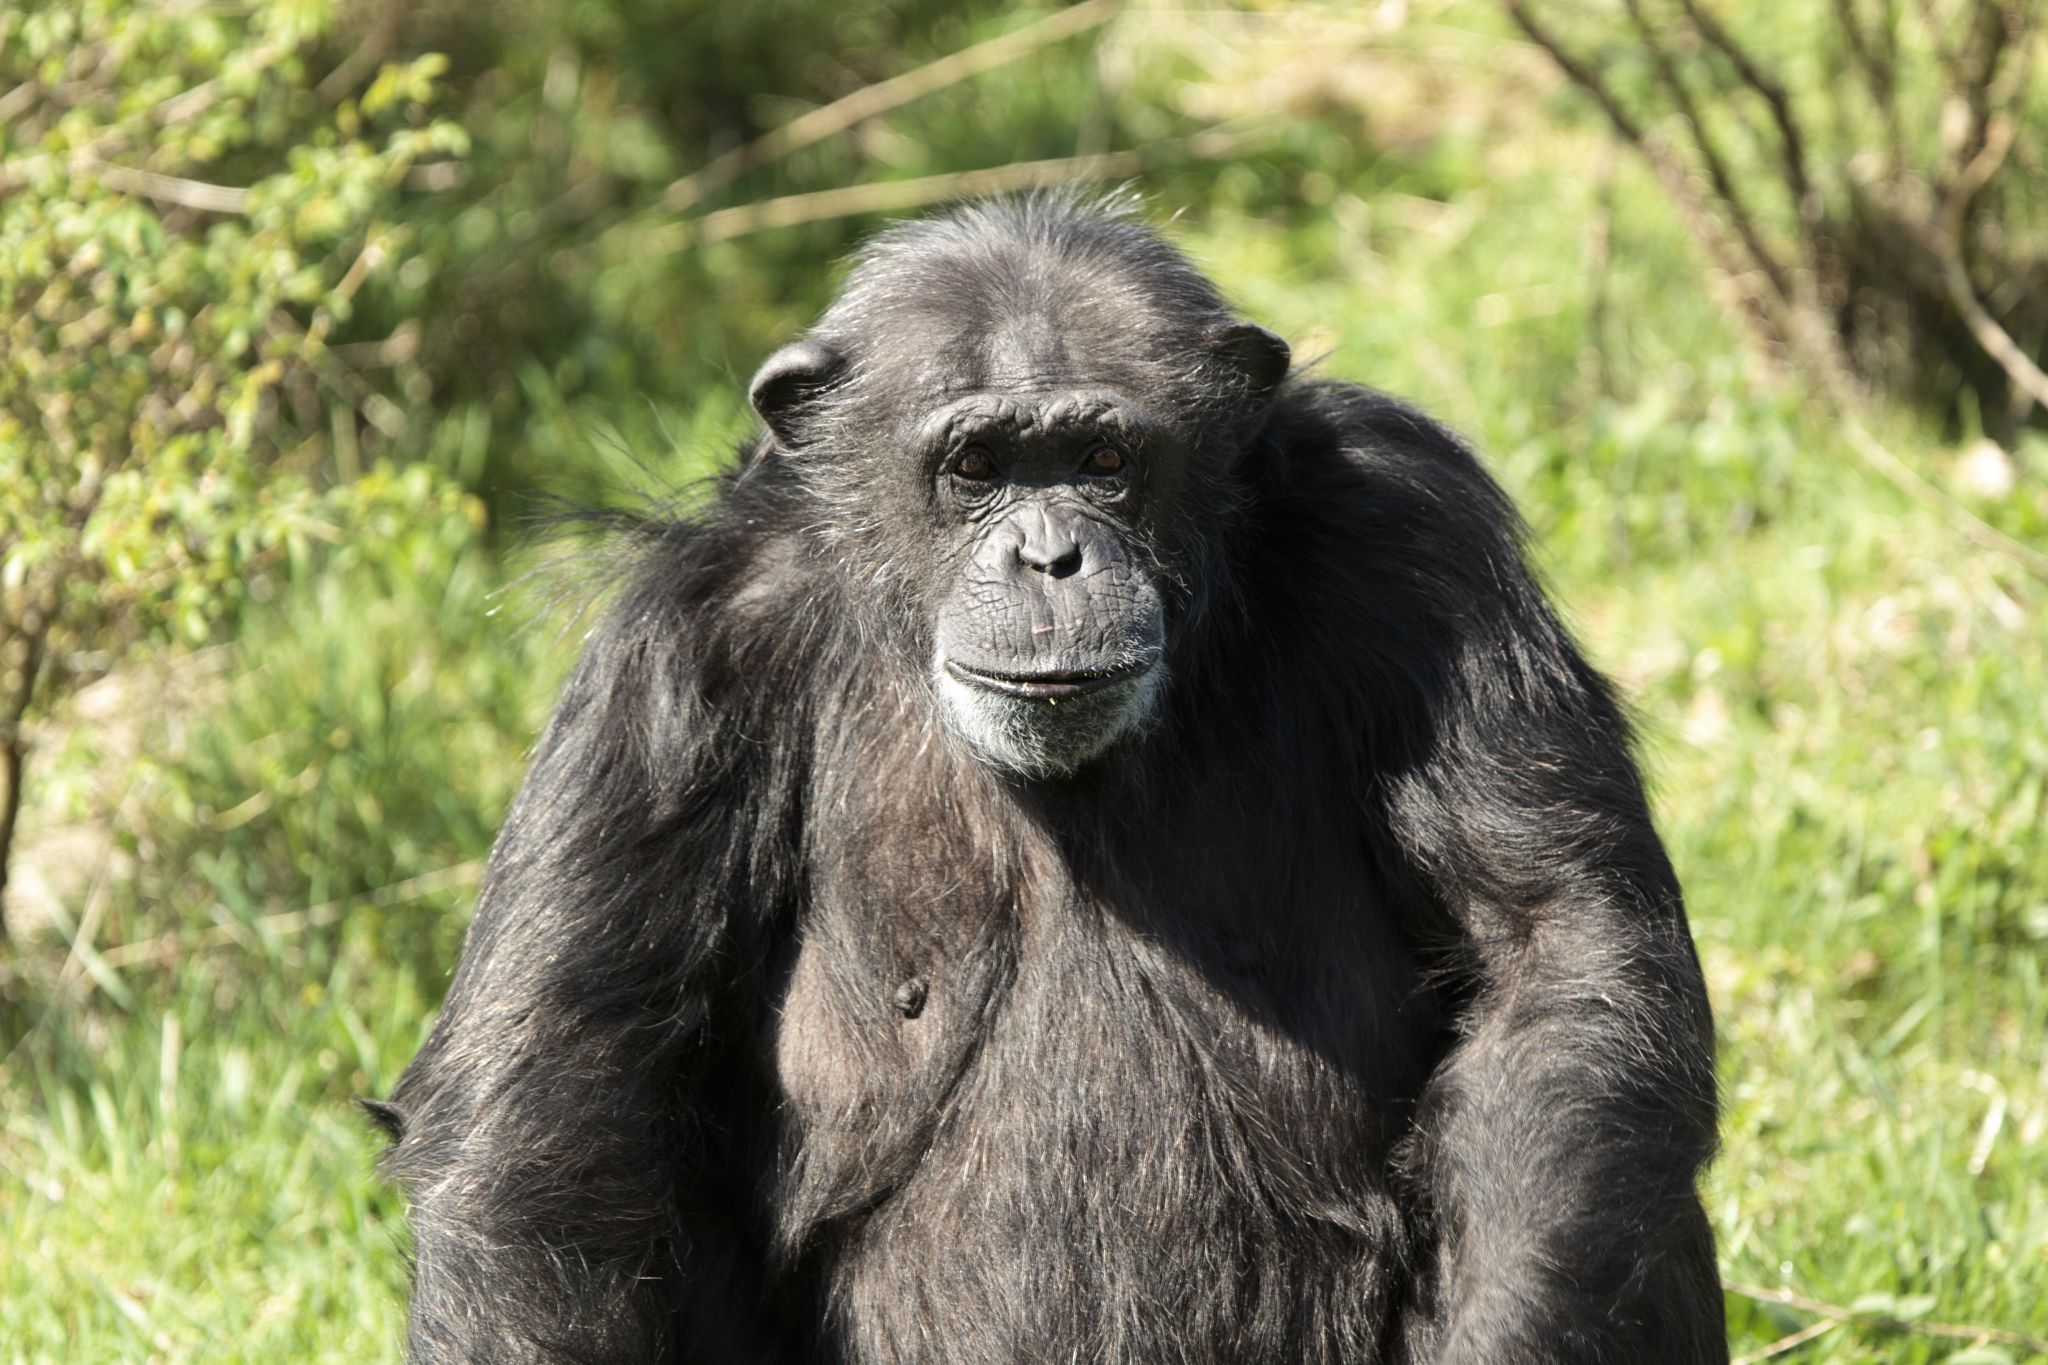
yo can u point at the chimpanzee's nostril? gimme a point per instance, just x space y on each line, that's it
1063 565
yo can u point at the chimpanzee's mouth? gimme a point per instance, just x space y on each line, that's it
1052 685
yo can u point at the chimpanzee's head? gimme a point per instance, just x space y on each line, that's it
1019 421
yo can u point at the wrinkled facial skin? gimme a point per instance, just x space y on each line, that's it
1049 628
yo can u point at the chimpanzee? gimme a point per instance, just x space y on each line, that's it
1085 848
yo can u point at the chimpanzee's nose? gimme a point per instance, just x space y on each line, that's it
1049 546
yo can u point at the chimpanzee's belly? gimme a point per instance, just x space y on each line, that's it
1081 1135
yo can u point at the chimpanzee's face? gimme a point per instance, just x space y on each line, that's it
1020 448
1048 630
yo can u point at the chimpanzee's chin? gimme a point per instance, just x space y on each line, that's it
1044 737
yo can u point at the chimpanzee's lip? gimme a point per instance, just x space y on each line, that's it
1052 685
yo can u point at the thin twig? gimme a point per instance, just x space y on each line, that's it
1881 79
870 100
292 921
368 54
19 98
1948 243
1989 36
1792 141
1732 201
169 189
1764 313
893 196
1878 456
83 957
1580 74
179 108
1954 1331
1789 1342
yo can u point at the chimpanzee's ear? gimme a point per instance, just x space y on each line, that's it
1259 355
388 1117
787 381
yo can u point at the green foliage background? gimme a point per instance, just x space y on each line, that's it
309 626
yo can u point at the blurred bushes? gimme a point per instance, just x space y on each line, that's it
372 743
1867 177
183 224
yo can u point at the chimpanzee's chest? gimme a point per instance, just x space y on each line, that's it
1142 1116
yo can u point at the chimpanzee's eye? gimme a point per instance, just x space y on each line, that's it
1103 460
975 466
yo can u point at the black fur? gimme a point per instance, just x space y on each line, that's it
1343 1010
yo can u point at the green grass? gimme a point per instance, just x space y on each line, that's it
182 1173
1845 712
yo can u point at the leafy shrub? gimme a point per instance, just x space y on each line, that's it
184 219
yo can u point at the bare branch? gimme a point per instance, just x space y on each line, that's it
22 661
1841 390
1764 313
289 922
21 97
1731 198
1948 244
13 768
1878 75
1791 140
1580 74
376 45
168 189
1953 1331
1790 1342
1988 38
870 100
891 196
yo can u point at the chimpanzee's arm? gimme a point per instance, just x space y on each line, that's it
567 1134
1559 1142
1562 1137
